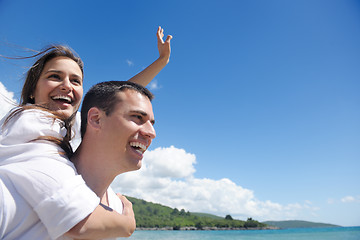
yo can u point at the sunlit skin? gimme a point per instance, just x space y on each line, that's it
114 144
123 137
60 86
128 130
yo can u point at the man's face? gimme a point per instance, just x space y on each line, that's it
128 130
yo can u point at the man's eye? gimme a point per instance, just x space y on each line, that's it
139 117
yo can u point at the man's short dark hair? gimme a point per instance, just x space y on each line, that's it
104 96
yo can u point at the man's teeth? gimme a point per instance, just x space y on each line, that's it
140 147
64 98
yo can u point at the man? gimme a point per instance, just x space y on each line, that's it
116 128
42 196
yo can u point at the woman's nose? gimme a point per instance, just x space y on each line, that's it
66 85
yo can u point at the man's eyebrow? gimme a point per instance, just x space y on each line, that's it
143 114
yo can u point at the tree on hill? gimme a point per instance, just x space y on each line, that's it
250 223
229 217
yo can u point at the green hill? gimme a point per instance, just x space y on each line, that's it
152 215
298 224
206 215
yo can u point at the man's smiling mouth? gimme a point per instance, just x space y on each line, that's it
139 147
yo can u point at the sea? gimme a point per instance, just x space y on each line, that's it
338 233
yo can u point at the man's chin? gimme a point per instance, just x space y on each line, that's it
138 166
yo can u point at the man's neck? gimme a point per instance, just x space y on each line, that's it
90 166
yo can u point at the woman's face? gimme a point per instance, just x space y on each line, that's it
60 86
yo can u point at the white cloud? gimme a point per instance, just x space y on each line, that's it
167 177
7 100
153 85
129 62
349 199
170 162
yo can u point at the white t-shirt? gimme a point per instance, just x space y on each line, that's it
19 221
114 201
41 194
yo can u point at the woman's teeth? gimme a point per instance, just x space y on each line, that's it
62 98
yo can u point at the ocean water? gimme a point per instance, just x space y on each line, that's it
346 233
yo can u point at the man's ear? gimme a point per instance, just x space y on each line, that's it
94 117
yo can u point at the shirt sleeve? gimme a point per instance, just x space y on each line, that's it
29 125
17 135
56 193
47 180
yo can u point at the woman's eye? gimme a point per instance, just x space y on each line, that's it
54 76
77 81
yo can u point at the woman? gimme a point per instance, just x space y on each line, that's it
42 85
55 82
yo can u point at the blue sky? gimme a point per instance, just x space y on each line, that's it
257 111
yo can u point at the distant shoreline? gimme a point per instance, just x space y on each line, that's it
204 229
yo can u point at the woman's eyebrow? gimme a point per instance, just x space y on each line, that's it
53 71
60 72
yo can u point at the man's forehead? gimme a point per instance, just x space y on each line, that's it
129 95
130 98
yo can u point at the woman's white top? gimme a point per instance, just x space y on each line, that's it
41 194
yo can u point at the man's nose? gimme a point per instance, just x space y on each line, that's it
148 130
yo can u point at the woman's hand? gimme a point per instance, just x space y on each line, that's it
127 209
163 47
